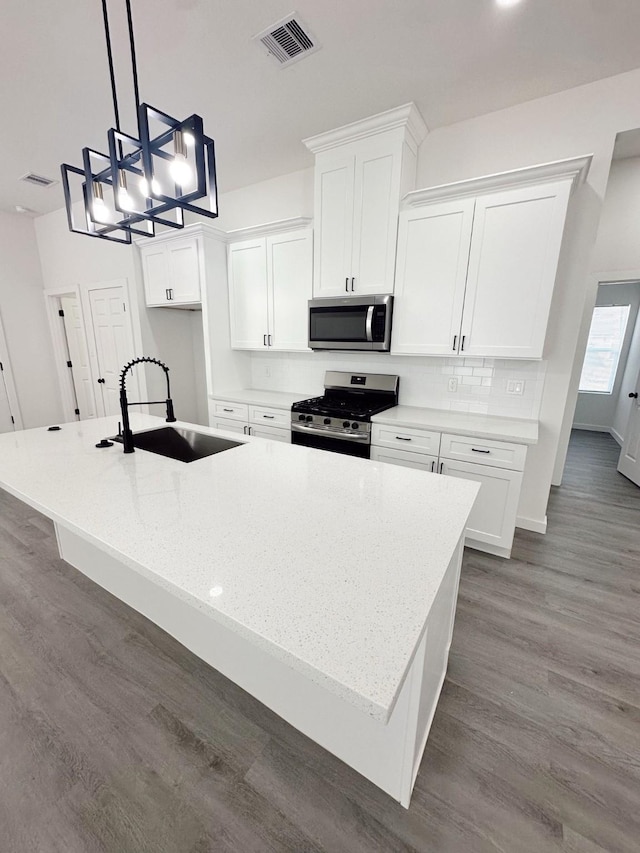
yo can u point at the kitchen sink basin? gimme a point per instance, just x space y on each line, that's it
185 445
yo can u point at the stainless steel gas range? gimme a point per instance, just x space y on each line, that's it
340 420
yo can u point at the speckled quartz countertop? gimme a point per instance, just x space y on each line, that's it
276 399
328 562
519 430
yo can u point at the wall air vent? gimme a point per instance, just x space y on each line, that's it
37 180
288 40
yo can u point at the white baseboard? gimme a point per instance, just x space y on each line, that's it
533 524
592 427
615 434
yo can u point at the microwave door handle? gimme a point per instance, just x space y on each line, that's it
369 325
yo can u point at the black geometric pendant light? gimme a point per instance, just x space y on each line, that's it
144 180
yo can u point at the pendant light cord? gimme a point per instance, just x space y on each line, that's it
134 64
107 36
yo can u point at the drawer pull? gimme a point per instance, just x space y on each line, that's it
227 410
402 438
269 417
433 465
441 466
475 450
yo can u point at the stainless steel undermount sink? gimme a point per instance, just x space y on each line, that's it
185 445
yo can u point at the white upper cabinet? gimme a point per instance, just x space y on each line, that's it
270 282
433 253
171 268
512 270
362 170
476 268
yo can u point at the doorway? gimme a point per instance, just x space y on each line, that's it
10 416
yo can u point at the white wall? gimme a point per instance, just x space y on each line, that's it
25 324
597 411
69 259
618 243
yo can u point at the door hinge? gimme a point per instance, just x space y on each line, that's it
1 367
60 313
69 364
77 411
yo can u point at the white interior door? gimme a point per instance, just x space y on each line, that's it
114 345
79 356
6 418
629 461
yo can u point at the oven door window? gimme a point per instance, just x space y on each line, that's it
346 324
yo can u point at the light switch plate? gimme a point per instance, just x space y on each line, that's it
515 386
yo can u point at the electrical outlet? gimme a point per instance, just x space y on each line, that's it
515 386
453 383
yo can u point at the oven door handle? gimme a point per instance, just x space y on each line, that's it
369 324
325 433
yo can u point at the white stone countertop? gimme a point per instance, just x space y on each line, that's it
274 399
329 562
519 430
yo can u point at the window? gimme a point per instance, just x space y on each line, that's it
606 335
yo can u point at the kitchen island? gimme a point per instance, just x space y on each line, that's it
323 585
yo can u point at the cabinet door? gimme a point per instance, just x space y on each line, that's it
184 270
421 461
334 180
433 253
512 270
493 517
289 278
228 426
376 199
248 294
272 433
155 273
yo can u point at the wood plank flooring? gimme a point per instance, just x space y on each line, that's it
115 738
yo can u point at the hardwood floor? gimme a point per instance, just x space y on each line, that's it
115 738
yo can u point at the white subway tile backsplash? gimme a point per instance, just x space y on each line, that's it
423 380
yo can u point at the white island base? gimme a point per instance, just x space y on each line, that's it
388 754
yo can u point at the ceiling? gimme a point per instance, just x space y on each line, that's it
454 58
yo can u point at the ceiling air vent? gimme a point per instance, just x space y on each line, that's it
37 180
288 40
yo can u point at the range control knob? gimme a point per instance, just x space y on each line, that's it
354 425
346 424
327 421
301 418
309 418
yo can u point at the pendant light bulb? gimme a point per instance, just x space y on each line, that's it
124 198
181 171
98 207
143 186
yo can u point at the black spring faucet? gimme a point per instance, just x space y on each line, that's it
127 435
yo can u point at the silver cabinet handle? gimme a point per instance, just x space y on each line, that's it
227 410
346 284
433 465
402 438
264 340
441 466
462 343
352 285
476 450
269 339
455 338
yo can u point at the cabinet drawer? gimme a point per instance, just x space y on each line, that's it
416 440
270 417
230 411
406 458
483 451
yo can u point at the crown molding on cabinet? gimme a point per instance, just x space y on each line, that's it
268 228
192 230
574 168
407 116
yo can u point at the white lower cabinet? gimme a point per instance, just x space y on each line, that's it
496 465
249 419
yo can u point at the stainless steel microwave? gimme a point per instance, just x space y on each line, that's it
351 323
